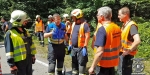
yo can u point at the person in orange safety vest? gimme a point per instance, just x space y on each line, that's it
130 39
79 38
39 29
108 44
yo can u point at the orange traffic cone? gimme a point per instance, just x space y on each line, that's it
0 68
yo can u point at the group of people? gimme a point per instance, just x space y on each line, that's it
109 42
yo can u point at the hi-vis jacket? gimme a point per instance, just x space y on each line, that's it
19 53
39 26
110 57
81 35
124 37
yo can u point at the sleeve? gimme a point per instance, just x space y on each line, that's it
133 30
48 28
100 37
86 28
9 49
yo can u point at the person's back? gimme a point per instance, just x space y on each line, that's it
107 44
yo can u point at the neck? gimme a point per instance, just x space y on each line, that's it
106 22
126 21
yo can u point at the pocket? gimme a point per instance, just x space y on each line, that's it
83 59
50 48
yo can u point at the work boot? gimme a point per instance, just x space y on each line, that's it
42 43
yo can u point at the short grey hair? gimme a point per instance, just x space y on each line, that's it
55 15
106 12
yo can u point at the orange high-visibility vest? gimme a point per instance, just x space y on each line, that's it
110 57
39 26
81 35
124 38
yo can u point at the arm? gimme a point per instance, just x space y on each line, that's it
47 32
97 56
100 42
9 49
87 34
6 28
43 27
136 42
87 37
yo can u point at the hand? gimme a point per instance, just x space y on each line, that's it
33 59
84 51
14 70
126 52
53 31
91 70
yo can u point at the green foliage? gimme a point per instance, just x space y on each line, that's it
143 49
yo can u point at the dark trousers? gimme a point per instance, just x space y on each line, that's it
25 66
127 65
104 71
56 52
78 61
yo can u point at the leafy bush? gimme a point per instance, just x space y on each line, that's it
143 48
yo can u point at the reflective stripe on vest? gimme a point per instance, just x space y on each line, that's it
81 35
19 46
110 56
39 26
126 44
56 41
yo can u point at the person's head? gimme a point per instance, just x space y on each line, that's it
76 15
3 19
18 18
124 14
38 17
104 14
57 19
50 18
66 17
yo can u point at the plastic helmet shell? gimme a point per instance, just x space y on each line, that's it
18 15
37 16
65 15
77 13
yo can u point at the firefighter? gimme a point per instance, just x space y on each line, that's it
20 49
79 38
56 48
39 29
108 44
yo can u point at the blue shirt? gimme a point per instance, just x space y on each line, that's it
100 37
75 33
59 31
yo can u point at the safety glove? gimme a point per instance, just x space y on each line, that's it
84 51
69 49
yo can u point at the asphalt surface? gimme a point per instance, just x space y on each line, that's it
39 68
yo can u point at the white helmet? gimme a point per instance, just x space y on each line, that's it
65 15
77 13
37 16
18 16
50 16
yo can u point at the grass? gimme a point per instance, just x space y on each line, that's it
42 52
